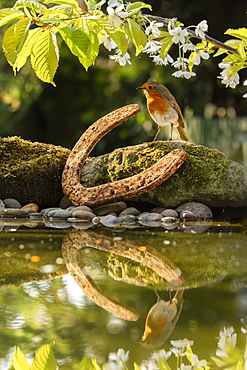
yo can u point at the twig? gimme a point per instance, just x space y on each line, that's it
213 41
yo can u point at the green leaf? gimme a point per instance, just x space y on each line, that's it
30 4
76 40
93 47
92 4
45 56
73 3
241 50
19 361
166 45
14 38
7 15
26 49
136 367
240 33
233 58
138 6
136 34
115 33
232 42
44 358
86 364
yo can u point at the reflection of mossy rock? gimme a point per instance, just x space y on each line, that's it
207 176
31 172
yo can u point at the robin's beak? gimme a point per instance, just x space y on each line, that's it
143 88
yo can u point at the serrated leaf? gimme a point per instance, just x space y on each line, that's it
241 50
19 361
166 45
76 40
26 49
14 38
30 4
73 3
138 6
6 16
115 33
136 35
240 33
92 4
64 8
45 56
86 364
93 47
233 58
44 358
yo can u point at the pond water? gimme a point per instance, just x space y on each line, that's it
90 290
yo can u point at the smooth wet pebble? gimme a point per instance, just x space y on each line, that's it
110 221
12 203
59 213
169 213
109 208
146 217
82 214
129 211
200 210
31 208
13 212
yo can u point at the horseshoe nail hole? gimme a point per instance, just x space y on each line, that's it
112 192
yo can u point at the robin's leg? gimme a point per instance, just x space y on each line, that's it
171 131
157 133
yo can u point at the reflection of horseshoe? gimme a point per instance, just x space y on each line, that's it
148 256
121 189
133 250
70 250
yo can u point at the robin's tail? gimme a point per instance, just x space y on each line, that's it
182 133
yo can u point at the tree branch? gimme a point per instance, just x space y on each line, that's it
213 41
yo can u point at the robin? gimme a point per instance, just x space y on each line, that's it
161 320
163 108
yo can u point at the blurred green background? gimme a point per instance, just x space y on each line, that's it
215 116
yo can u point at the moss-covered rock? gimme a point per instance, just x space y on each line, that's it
207 176
31 172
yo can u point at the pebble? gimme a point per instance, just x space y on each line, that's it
129 211
157 210
200 210
12 203
149 217
169 220
31 208
110 221
65 202
187 216
80 213
127 218
13 212
59 213
45 211
109 208
170 213
35 215
2 205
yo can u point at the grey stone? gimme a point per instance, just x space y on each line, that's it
11 203
201 211
169 220
157 210
110 208
150 217
13 212
169 213
110 221
80 213
130 211
207 175
188 216
2 205
65 202
59 213
127 218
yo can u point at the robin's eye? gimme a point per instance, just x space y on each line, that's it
150 87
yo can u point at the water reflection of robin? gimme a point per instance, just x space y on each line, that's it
161 320
163 108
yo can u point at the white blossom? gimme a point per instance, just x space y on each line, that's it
115 15
201 28
227 338
180 63
153 28
196 363
121 59
152 47
185 74
185 367
111 365
227 80
245 95
171 23
162 61
188 46
158 355
108 43
200 54
148 365
114 3
120 355
178 34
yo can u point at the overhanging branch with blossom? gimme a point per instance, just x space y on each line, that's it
34 28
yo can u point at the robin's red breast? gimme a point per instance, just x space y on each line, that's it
163 108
